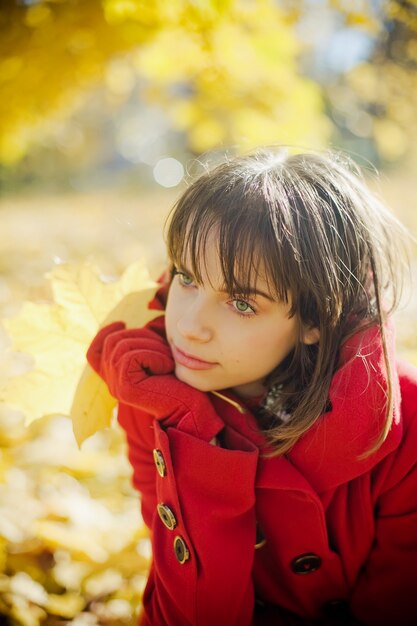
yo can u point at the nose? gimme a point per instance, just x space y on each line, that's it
194 323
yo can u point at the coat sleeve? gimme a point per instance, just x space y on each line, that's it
200 503
386 591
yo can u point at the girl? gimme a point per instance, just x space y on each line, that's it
271 431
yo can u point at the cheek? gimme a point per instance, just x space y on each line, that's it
270 342
244 346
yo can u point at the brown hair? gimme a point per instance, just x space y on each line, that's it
323 238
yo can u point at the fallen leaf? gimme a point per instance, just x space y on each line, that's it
56 336
67 605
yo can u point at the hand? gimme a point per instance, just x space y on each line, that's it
144 351
135 364
107 336
170 401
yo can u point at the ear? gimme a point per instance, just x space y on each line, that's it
311 335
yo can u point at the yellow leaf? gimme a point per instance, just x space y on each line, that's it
24 613
66 605
57 336
92 407
3 554
86 297
23 585
363 20
132 309
57 346
41 393
86 544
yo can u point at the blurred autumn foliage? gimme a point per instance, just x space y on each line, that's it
380 94
97 85
225 72
222 69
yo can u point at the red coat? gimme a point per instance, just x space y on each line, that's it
340 534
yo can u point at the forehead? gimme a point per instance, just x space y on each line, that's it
210 264
235 231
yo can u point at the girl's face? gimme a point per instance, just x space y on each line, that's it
219 341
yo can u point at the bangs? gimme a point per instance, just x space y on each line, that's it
245 236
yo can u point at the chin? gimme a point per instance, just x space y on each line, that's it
193 379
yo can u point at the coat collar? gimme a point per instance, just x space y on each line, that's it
329 453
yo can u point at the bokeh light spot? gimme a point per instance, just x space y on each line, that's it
168 172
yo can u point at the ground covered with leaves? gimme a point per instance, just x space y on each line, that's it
73 548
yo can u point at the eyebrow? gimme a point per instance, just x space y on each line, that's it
248 291
252 291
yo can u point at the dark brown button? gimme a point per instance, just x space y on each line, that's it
337 610
159 462
181 551
166 516
306 563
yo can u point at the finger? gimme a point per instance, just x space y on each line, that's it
135 344
126 347
149 362
134 367
95 350
130 333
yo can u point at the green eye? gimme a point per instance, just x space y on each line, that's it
185 279
242 306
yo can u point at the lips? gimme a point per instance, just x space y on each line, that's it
190 361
